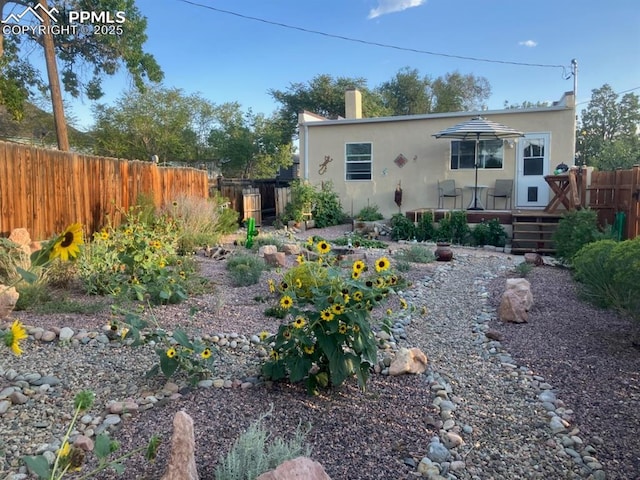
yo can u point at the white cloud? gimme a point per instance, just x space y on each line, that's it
528 43
391 6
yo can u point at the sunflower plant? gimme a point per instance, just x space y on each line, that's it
65 246
176 351
137 260
327 336
70 458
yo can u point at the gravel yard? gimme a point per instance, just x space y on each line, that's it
555 398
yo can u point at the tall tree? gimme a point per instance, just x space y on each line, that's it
249 145
159 121
407 93
78 47
607 136
456 92
323 95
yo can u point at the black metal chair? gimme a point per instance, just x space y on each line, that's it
503 189
447 189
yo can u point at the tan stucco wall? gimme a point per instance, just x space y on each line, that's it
428 157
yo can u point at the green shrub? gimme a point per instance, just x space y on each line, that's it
523 269
425 230
327 209
245 270
593 270
609 274
359 241
480 234
261 241
369 213
31 295
575 230
11 256
489 233
302 197
416 254
454 228
137 260
402 228
403 266
251 455
201 221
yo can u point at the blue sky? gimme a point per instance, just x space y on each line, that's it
228 58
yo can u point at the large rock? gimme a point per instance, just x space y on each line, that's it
182 464
291 249
534 259
277 259
301 468
516 301
21 237
267 249
8 298
408 361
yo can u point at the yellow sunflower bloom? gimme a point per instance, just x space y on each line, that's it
263 335
65 450
337 308
272 286
287 334
326 315
403 304
310 241
274 355
346 298
356 328
323 247
171 352
309 350
104 235
14 336
342 329
206 353
355 274
382 264
67 243
358 266
299 322
300 259
357 296
380 282
286 302
389 311
298 283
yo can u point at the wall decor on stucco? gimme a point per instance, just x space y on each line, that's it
400 160
324 165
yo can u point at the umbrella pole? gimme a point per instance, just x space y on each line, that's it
475 188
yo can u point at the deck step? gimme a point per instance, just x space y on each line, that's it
533 232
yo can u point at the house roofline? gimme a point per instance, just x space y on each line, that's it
404 118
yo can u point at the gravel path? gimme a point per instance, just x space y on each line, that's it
483 410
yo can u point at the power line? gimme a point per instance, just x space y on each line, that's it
366 42
616 93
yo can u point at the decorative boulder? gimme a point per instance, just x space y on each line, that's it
300 468
21 237
291 249
277 259
534 258
182 464
267 249
516 301
8 299
408 361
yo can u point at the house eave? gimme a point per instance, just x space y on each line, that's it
406 118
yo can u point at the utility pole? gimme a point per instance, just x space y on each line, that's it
54 82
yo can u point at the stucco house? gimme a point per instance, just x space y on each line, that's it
368 158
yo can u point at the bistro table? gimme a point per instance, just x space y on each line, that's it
476 200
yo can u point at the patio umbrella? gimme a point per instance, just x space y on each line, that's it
478 128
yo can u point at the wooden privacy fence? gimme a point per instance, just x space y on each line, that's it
617 191
235 190
46 190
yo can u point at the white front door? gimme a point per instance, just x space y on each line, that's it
533 165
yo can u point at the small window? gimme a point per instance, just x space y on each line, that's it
463 154
358 161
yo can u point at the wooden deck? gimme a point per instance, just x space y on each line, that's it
529 230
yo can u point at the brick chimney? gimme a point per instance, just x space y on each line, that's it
353 103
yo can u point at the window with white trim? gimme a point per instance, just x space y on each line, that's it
358 161
490 154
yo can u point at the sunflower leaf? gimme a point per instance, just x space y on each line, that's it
38 465
26 275
182 338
